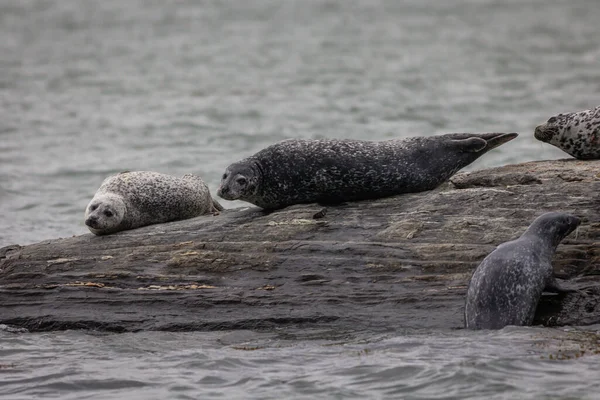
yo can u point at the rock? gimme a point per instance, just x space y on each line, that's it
399 262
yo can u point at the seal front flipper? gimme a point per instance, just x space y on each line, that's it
553 286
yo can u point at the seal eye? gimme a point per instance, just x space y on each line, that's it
108 213
241 180
92 208
552 120
224 176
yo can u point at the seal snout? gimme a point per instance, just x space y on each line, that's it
92 222
222 192
574 222
542 133
569 225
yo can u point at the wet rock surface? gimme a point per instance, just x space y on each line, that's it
403 261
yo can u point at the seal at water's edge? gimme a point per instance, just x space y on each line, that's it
134 199
332 171
507 285
576 133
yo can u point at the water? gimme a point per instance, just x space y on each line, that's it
92 88
507 364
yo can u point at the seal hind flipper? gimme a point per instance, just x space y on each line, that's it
217 207
496 139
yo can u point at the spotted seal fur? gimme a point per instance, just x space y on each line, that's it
332 171
507 285
134 199
576 133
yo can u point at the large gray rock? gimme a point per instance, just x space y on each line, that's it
400 262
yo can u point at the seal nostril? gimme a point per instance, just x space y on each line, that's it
540 134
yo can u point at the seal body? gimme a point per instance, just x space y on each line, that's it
334 171
577 133
507 285
133 199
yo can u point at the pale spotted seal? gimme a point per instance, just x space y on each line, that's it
133 199
333 171
577 133
507 285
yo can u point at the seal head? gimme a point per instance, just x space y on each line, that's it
552 227
577 133
506 287
240 180
105 213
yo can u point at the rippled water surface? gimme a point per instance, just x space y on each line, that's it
89 88
523 363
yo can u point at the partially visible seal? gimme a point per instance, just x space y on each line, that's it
577 133
507 285
334 171
133 199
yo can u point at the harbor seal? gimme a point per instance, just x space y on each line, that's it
507 285
577 133
134 199
333 171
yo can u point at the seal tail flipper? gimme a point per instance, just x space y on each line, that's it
496 139
216 206
483 142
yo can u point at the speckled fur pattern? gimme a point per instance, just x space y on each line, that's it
134 199
507 285
332 171
577 133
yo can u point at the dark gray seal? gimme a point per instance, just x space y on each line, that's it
333 171
134 199
507 285
576 133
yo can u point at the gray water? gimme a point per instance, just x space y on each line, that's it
514 363
90 88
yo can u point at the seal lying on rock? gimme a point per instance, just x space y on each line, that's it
334 171
507 285
133 199
577 133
